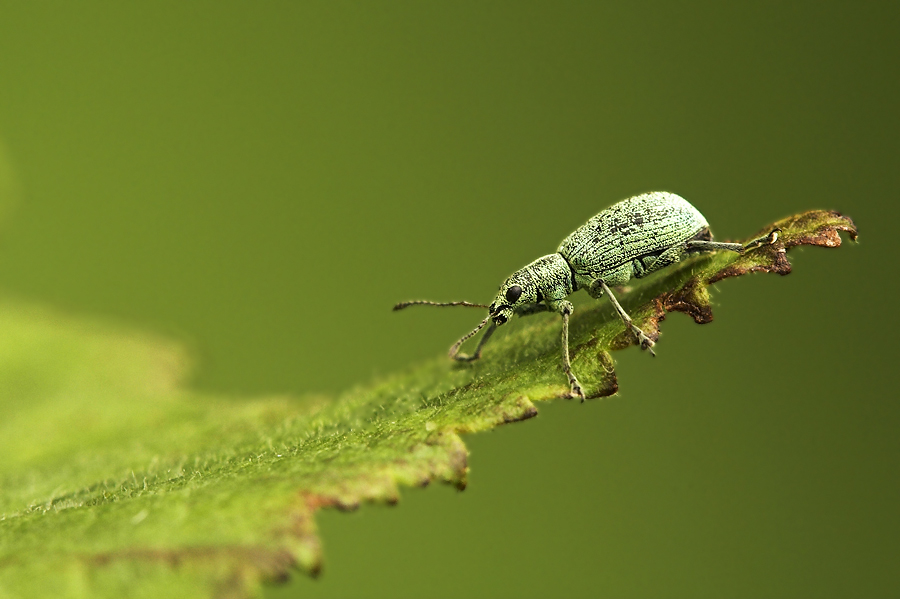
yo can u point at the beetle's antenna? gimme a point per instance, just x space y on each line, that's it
455 349
402 305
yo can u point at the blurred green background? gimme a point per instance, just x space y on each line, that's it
264 180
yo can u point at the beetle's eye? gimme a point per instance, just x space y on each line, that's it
513 293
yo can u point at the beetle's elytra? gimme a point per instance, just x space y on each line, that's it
631 238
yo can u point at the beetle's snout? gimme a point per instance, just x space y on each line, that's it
500 314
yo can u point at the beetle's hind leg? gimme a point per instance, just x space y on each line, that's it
644 341
699 245
767 239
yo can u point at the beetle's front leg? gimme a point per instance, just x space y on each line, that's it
565 309
454 351
644 341
477 353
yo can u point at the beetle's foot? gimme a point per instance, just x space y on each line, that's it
643 340
466 357
576 390
769 239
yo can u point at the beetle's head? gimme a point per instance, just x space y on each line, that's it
517 291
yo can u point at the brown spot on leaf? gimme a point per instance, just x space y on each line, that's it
692 299
826 234
246 562
773 260
315 501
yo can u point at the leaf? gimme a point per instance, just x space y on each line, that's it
119 481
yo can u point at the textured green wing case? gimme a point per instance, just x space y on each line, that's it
643 225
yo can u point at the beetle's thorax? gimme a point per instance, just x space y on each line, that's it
547 279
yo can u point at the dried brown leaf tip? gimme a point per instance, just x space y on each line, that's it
821 228
816 227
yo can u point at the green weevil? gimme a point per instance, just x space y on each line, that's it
631 238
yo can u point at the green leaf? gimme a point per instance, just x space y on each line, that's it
117 480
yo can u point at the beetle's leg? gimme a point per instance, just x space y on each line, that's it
565 309
644 341
768 239
477 353
454 351
700 245
654 263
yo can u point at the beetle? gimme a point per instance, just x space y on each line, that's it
631 238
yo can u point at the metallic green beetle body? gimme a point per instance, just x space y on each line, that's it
632 238
629 239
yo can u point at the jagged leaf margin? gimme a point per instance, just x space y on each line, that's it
117 481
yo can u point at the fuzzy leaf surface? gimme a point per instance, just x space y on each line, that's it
120 481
